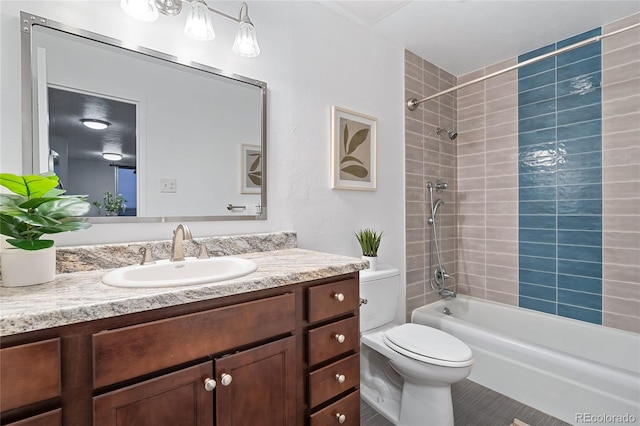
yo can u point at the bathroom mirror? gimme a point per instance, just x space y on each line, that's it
176 139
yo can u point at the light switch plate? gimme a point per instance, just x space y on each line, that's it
168 185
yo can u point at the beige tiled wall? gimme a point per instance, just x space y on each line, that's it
428 157
487 186
621 176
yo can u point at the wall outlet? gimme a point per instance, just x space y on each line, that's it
167 185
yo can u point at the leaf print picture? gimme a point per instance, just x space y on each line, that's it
251 169
353 150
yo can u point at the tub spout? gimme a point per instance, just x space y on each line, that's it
447 293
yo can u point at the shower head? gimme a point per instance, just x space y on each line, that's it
452 135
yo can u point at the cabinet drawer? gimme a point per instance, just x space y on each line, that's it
333 339
51 418
133 351
349 407
325 301
30 373
325 383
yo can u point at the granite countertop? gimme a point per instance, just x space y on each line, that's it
81 296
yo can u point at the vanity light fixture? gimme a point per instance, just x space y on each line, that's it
199 25
95 124
112 156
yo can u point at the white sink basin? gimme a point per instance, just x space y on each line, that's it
165 273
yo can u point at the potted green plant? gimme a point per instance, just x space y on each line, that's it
369 240
112 205
34 209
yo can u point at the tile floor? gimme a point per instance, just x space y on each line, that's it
475 405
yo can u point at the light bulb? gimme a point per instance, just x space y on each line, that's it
142 10
199 25
246 42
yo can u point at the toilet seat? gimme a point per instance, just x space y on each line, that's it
428 345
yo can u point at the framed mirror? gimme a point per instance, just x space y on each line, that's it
147 136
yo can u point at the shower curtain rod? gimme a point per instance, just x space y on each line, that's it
413 103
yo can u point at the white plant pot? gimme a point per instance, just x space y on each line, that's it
373 262
27 267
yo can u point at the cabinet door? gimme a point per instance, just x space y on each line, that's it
257 386
178 398
51 418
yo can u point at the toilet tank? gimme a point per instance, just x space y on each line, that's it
381 288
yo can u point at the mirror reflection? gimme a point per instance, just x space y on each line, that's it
144 136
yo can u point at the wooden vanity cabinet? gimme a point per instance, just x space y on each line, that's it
246 359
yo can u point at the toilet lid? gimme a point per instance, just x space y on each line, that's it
419 341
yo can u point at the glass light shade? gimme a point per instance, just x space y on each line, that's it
199 25
142 10
246 43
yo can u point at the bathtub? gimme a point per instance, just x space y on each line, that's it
575 371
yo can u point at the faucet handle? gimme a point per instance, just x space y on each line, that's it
202 251
147 256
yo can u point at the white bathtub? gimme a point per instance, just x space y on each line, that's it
569 369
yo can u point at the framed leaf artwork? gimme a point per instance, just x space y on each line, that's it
251 169
353 150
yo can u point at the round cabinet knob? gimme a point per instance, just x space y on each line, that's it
340 338
340 378
226 379
339 297
209 384
341 418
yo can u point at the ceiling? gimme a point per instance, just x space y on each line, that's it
461 36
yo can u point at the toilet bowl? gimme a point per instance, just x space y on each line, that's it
406 369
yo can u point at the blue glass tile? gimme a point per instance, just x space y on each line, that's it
572 282
535 123
579 37
537 137
579 130
581 314
580 238
537 193
537 207
537 236
541 158
575 55
577 298
587 254
580 223
580 192
538 108
581 145
539 51
583 269
580 161
586 66
579 99
537 305
579 115
582 176
531 263
536 221
537 291
536 179
535 249
574 207
537 95
580 85
537 277
537 80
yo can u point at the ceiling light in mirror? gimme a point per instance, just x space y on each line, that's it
111 156
95 124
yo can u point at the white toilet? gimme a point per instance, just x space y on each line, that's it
406 370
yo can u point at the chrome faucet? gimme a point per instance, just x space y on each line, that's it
447 293
181 233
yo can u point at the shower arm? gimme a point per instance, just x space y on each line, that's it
412 104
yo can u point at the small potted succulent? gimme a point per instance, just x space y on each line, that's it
112 205
34 209
369 241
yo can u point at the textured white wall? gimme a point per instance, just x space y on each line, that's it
311 58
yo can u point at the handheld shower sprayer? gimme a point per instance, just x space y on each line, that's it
451 134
